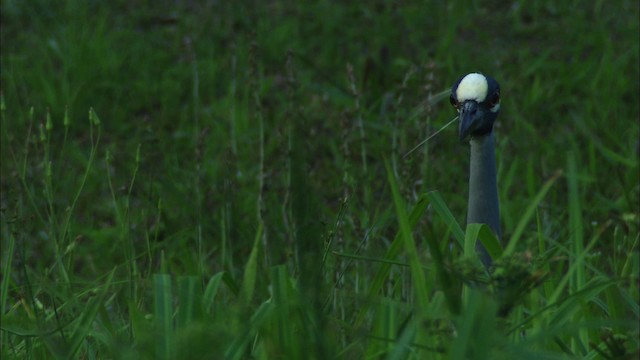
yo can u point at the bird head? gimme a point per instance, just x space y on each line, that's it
476 97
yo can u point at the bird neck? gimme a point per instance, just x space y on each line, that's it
483 188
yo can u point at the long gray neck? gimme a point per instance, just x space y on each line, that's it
483 189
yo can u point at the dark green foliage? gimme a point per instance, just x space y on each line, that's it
207 179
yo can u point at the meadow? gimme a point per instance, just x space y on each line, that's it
230 180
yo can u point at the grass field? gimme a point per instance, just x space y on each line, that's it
227 179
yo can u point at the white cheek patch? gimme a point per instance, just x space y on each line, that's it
495 108
473 87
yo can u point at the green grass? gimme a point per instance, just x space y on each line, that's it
226 180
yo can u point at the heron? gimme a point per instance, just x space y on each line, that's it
476 97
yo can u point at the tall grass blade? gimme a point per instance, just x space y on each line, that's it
568 308
188 300
483 233
251 269
210 293
163 314
6 271
417 274
575 223
435 199
403 345
87 317
577 243
392 253
281 300
448 283
569 276
528 214
140 327
490 242
475 328
431 198
385 327
238 347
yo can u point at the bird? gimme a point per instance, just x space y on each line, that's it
476 98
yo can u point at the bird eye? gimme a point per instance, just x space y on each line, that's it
495 99
453 101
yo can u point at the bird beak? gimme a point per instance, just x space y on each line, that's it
470 118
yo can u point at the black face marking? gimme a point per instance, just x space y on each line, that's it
453 101
479 112
494 99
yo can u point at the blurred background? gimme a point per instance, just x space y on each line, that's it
190 81
225 121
